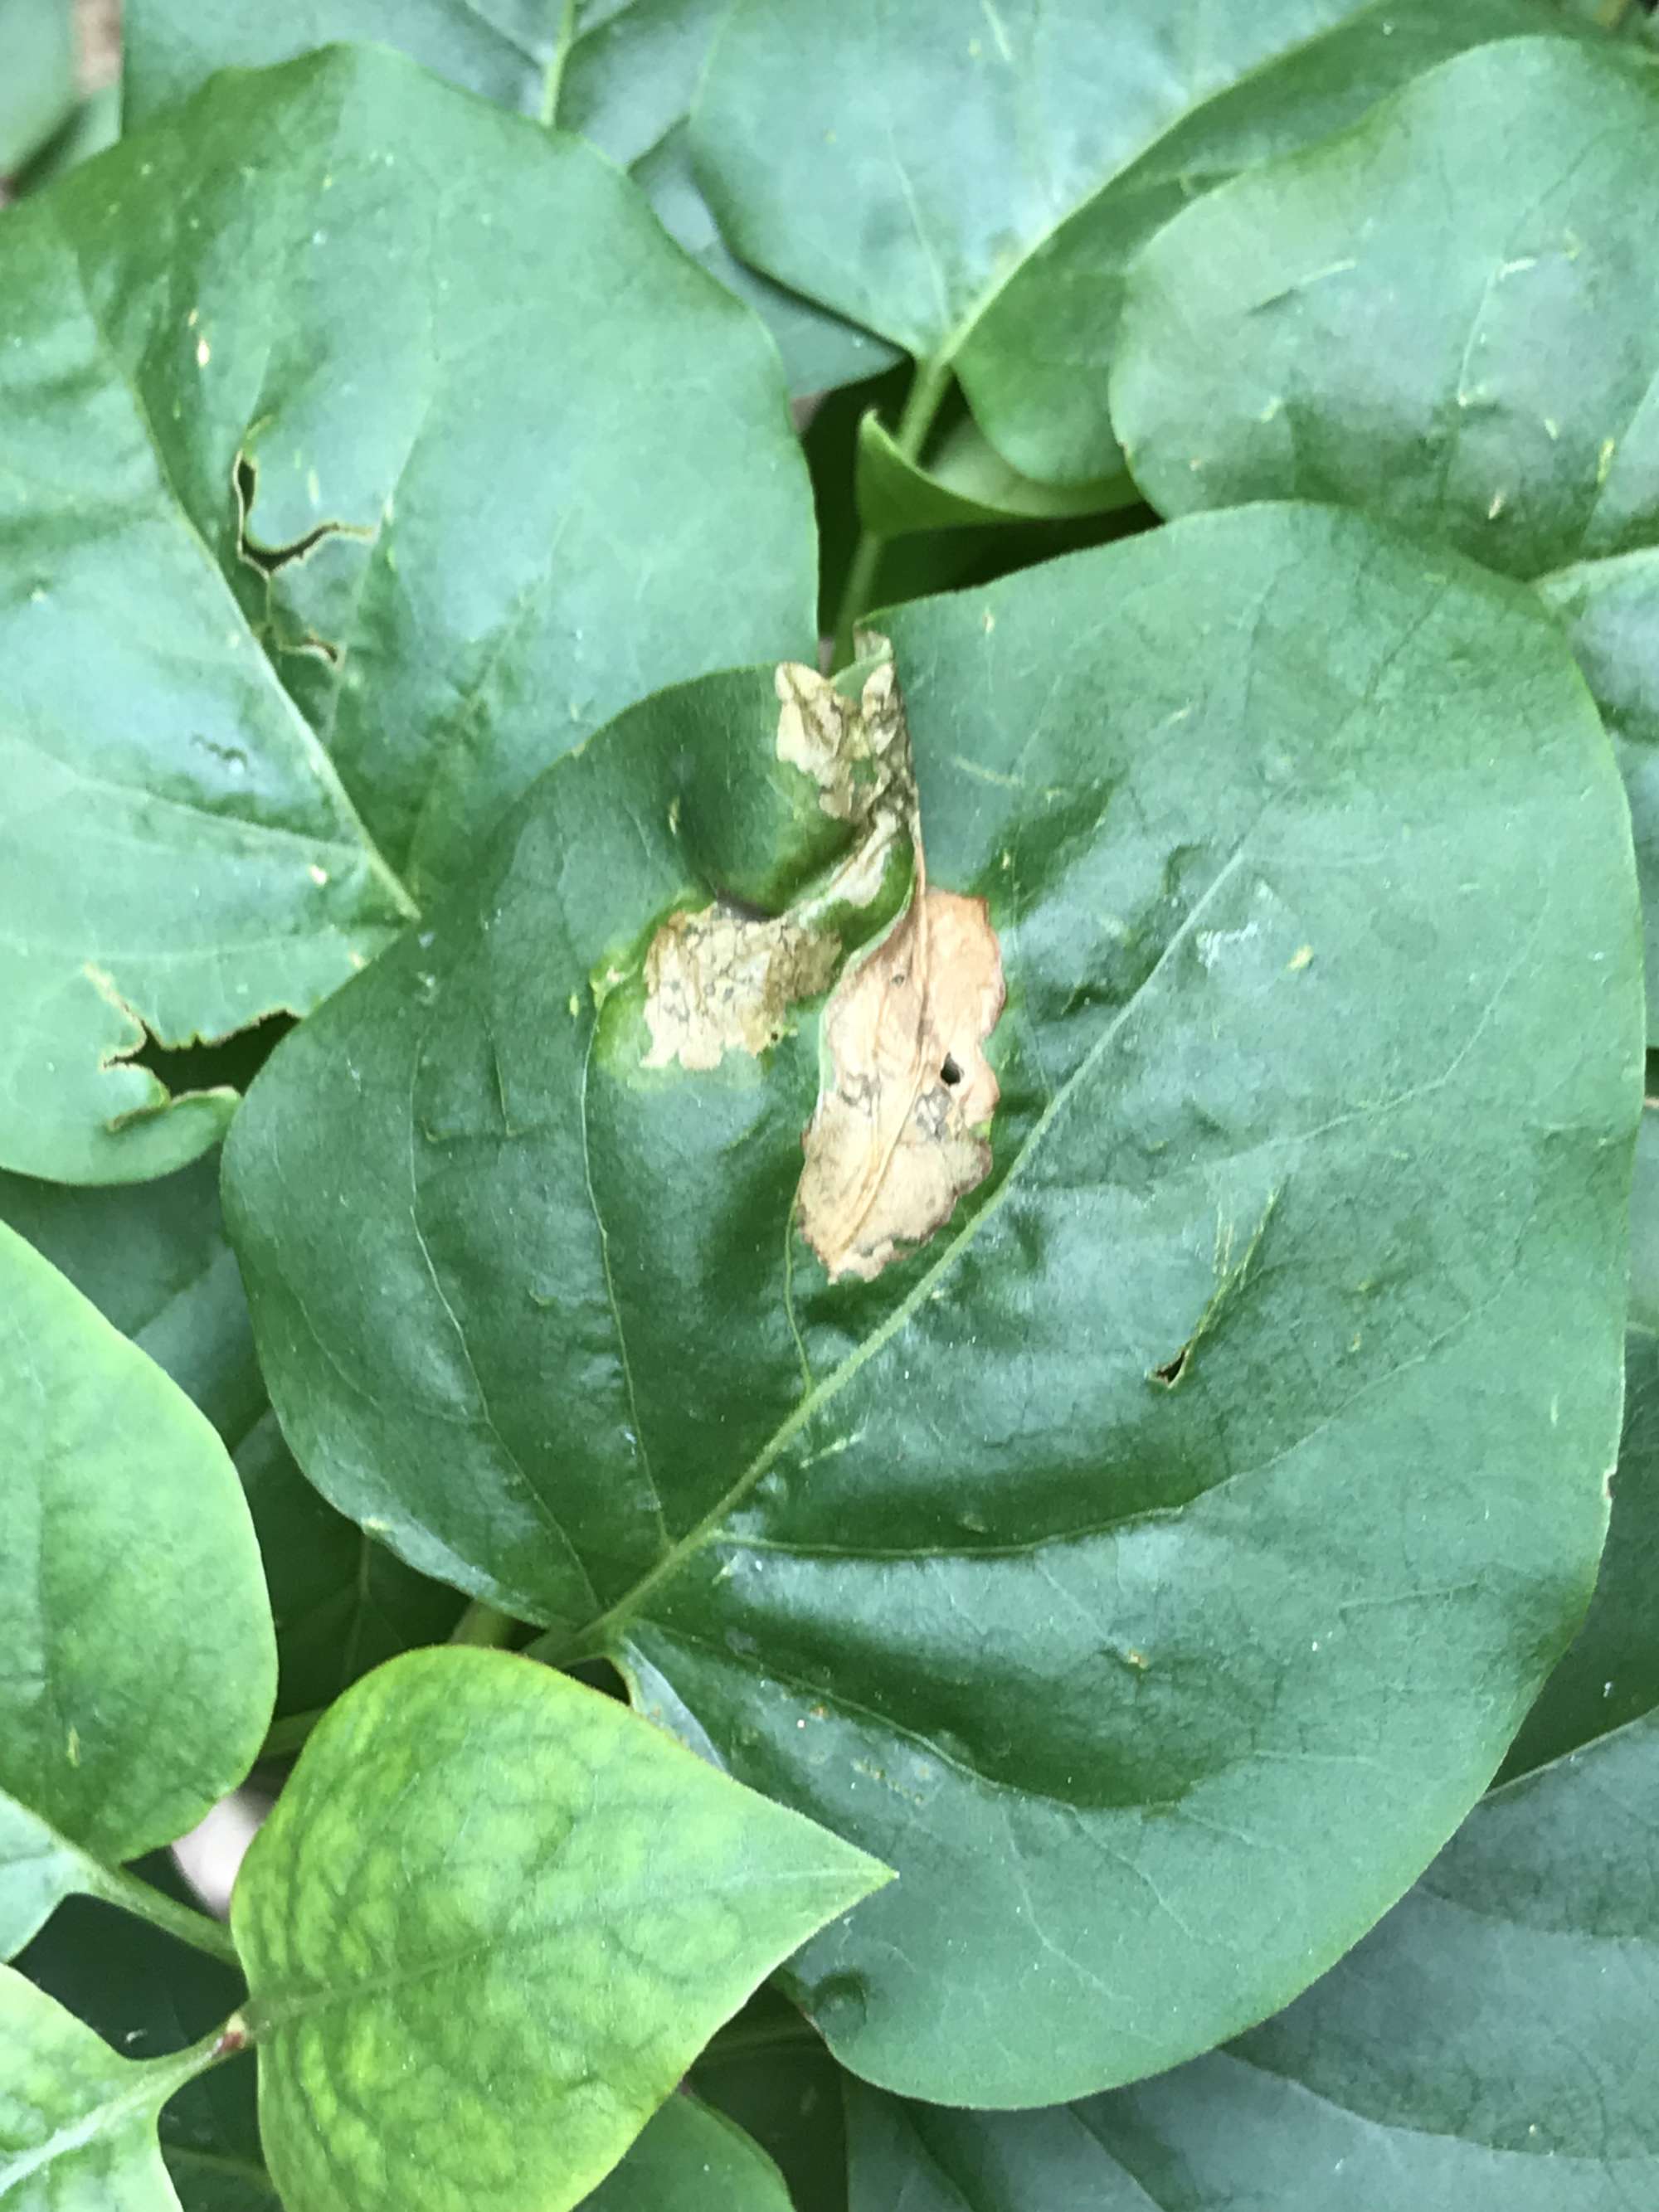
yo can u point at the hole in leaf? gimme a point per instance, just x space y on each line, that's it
1172 1373
270 558
229 1062
949 1073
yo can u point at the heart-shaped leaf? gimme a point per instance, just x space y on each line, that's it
1491 2045
491 1920
621 72
692 2160
77 2123
1147 1523
153 1259
972 182
139 1652
1469 348
424 522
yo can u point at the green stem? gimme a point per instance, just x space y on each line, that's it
482 1623
926 395
116 1887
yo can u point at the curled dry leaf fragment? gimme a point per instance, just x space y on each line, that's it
857 752
898 1133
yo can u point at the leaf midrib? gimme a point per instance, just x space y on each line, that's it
598 1637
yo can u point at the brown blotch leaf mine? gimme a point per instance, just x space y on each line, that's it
898 1135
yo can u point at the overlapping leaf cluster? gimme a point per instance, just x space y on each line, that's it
1148 1524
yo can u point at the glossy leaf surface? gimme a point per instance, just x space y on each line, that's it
126 1712
620 72
1153 1520
153 1259
424 523
1492 2044
1469 348
491 1922
977 195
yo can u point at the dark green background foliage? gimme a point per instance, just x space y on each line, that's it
1159 1681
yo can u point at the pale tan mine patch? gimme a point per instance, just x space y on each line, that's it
718 982
857 752
898 1135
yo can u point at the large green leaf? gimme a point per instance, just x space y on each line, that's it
147 1995
1469 347
1211 1497
462 530
153 1259
621 72
77 2123
490 1922
1492 2045
972 182
139 1666
692 2160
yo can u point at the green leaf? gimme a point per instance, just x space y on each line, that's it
77 2124
771 2074
692 2160
37 76
1469 349
139 1659
977 194
152 1257
620 72
147 1995
1148 1526
490 1924
966 481
1489 2045
425 522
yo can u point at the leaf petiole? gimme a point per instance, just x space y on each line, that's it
117 1887
926 396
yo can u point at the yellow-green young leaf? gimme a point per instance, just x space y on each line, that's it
692 2160
306 595
139 1664
492 1920
971 182
621 72
1467 347
77 2124
1213 1488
